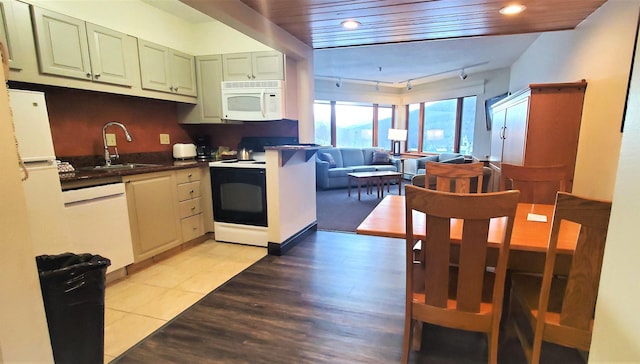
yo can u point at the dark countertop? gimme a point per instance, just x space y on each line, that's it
84 177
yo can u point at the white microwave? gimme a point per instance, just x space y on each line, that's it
252 100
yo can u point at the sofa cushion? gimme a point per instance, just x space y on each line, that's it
381 157
335 153
446 156
327 157
421 162
370 168
352 157
455 160
339 172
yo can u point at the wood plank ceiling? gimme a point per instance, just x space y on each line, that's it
317 22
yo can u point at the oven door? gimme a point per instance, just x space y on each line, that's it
239 195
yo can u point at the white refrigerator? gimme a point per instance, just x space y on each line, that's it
43 192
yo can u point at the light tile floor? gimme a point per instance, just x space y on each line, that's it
142 302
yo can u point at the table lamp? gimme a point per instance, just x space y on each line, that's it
396 136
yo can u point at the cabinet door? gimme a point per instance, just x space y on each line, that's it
497 130
9 34
208 110
515 135
237 67
209 90
108 59
61 42
183 73
267 65
154 66
153 213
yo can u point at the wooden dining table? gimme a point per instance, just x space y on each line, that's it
529 239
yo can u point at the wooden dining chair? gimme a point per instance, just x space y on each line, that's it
467 295
536 184
559 309
457 178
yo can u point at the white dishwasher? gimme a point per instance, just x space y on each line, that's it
98 223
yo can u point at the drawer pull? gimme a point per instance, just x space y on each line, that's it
193 208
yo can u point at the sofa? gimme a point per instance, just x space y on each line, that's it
333 164
418 165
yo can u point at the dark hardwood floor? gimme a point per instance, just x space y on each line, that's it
333 298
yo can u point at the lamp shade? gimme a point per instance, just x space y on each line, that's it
397 134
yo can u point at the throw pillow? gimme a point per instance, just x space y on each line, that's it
380 157
328 158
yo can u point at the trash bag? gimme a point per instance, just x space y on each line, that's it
73 287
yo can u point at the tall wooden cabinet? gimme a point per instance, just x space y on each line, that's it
538 126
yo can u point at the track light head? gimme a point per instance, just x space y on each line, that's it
377 85
463 76
409 87
339 83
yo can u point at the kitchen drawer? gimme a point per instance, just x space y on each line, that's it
190 207
188 191
187 175
192 227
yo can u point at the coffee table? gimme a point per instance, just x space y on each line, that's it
377 178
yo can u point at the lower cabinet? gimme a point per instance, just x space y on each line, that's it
153 213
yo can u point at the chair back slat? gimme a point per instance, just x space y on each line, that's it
438 250
454 177
537 184
472 266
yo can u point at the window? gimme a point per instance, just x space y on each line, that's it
359 125
322 116
445 126
354 125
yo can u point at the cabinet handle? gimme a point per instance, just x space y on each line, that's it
248 76
97 75
191 192
503 132
88 75
190 175
193 208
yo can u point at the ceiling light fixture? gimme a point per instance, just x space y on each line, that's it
339 83
463 76
409 87
350 24
512 9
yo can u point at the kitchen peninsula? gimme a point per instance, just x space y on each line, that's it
291 194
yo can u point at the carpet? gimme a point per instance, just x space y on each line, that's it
335 211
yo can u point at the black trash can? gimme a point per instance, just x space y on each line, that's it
73 293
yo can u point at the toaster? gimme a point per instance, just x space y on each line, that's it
184 151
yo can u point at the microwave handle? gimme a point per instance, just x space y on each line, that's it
262 102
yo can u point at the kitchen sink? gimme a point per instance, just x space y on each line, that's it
122 166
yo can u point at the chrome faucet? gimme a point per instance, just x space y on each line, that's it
107 155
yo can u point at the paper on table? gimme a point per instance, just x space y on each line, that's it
536 217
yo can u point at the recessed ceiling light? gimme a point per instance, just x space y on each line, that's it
350 24
512 9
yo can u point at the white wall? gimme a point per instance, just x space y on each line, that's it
24 337
598 50
615 333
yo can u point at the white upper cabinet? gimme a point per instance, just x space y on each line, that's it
73 48
9 34
267 65
165 69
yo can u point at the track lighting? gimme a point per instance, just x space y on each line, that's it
339 83
409 87
463 76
